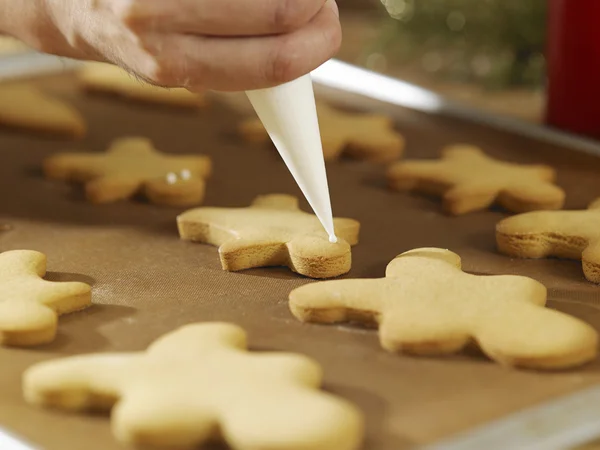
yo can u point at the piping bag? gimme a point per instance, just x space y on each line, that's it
289 114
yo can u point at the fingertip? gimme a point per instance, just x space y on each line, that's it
299 53
332 5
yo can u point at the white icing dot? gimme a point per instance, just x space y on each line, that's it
186 174
171 178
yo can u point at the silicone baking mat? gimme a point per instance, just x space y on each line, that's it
146 282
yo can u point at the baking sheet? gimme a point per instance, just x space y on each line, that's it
146 282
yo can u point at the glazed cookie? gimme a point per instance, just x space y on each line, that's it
370 137
29 305
130 166
110 79
197 383
273 231
25 107
426 305
564 234
468 180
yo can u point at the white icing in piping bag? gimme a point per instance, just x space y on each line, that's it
289 114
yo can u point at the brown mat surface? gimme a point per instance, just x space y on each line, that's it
147 282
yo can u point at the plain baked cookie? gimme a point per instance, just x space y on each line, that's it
198 383
25 107
426 305
131 166
29 305
111 79
468 180
273 231
10 46
369 137
564 234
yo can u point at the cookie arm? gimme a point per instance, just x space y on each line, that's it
338 301
73 166
77 383
26 323
65 297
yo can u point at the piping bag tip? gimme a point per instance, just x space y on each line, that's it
289 114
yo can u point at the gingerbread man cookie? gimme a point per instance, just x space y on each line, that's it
30 305
426 305
470 181
25 107
10 46
370 137
110 79
564 234
130 166
273 231
197 383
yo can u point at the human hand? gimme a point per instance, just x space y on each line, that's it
198 44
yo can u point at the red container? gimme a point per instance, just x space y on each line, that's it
573 55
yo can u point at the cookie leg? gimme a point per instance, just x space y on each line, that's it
241 254
535 337
164 418
466 198
295 419
423 330
537 195
109 189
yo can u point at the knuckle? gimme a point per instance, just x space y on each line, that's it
288 15
129 13
161 73
283 65
169 66
333 37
